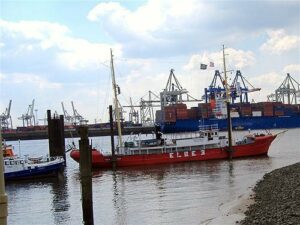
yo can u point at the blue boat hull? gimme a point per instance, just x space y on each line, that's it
240 123
35 172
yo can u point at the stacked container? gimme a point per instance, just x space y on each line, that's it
267 108
245 109
170 114
278 109
257 109
193 113
181 111
204 110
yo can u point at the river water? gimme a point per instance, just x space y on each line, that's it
183 193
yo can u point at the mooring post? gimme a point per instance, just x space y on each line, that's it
56 136
112 140
3 196
85 165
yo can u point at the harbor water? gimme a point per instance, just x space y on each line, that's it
182 193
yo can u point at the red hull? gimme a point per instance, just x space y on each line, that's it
259 147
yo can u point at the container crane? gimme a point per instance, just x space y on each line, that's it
28 118
5 118
288 92
133 114
239 88
77 118
67 116
174 93
146 109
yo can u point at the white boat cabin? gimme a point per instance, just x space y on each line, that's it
207 137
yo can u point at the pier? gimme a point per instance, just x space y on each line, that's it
69 133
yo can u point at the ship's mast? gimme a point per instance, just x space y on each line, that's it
116 102
229 126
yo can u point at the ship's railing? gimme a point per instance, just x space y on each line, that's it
208 127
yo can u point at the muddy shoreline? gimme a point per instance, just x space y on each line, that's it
276 199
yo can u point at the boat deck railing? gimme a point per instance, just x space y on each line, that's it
208 127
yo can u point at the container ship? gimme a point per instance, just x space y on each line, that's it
273 114
262 115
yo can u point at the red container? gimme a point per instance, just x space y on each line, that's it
192 113
278 113
180 106
170 116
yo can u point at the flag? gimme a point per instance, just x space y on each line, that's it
203 66
211 64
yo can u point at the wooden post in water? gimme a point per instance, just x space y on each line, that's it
85 165
3 196
56 135
113 154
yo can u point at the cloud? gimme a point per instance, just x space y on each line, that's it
279 42
35 39
166 27
235 59
31 80
268 82
292 69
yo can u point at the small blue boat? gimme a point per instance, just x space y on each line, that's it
17 168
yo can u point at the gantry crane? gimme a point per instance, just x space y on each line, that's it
68 118
133 114
77 118
288 92
28 118
173 93
239 88
5 118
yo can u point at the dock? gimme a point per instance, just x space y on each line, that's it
69 133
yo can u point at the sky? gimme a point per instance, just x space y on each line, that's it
57 51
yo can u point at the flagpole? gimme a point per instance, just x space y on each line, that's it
3 196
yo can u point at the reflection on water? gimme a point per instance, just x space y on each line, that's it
183 193
60 203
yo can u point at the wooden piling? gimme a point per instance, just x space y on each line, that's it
3 196
56 135
85 165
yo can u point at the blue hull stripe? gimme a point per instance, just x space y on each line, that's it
34 172
244 123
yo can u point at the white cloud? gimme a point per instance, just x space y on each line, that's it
235 59
293 68
33 80
74 53
279 42
268 82
167 27
147 18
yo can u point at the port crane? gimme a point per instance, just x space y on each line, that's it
133 114
174 93
288 92
77 118
28 118
68 118
145 106
239 88
5 118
